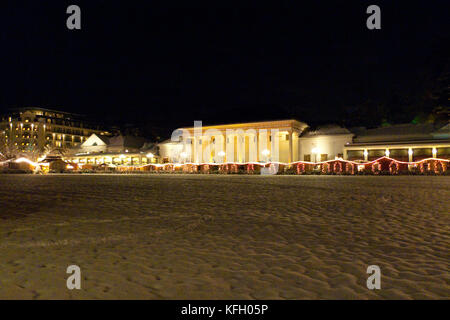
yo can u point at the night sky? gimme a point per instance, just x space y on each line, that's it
141 64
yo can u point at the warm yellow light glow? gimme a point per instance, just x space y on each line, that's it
150 155
183 155
434 150
122 156
366 153
387 153
221 154
21 160
315 150
265 152
410 152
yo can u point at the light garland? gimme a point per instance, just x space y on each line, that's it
159 165
301 165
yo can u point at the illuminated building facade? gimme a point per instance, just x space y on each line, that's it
32 129
289 141
268 141
118 150
404 142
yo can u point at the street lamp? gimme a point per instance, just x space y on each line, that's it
266 153
222 155
183 155
315 151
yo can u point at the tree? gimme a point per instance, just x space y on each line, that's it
8 149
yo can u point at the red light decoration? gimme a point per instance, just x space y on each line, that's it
393 167
337 167
435 165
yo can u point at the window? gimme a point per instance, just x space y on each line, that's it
287 137
355 154
324 157
307 157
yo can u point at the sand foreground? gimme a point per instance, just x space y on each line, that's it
224 237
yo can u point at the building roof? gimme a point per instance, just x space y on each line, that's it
330 129
290 123
23 109
126 141
399 132
402 133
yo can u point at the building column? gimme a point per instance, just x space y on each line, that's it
224 147
194 150
257 146
290 146
240 144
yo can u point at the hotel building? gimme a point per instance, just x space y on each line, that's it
37 128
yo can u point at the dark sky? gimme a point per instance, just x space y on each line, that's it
137 62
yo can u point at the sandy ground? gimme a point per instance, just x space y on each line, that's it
224 237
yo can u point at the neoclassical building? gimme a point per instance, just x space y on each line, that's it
268 141
289 141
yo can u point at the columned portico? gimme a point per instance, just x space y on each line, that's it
246 142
